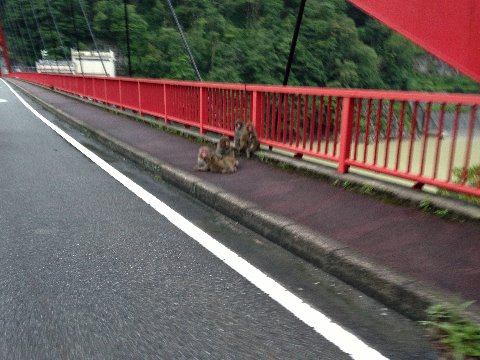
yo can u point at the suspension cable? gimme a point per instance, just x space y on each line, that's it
50 32
21 51
184 39
28 30
39 30
76 36
294 41
14 46
91 34
58 35
38 25
24 42
127 37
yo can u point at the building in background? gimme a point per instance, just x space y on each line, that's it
91 63
55 67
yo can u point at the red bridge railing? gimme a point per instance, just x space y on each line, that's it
427 138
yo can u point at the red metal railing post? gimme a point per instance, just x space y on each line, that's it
203 108
255 114
345 134
165 104
105 95
120 94
140 111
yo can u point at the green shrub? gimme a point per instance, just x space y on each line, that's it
450 328
471 177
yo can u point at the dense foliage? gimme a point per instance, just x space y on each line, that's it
240 41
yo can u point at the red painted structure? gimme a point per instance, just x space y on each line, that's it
423 137
3 46
449 29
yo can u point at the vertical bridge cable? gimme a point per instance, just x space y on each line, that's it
294 42
127 35
38 27
28 31
92 36
18 44
182 35
72 12
58 35
24 42
6 29
52 36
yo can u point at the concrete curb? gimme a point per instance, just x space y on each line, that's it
405 295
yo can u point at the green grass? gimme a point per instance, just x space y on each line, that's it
472 177
459 338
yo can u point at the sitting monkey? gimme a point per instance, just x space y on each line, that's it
223 147
252 143
240 136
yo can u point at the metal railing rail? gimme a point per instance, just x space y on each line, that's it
428 138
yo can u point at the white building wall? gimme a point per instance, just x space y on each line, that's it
90 62
55 67
83 62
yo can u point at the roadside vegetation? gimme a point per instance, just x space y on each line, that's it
456 337
471 177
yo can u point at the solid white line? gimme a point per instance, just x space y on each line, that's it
334 333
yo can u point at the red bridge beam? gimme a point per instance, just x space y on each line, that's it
3 46
449 29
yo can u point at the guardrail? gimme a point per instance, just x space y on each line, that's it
428 138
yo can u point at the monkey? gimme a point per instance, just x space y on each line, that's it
227 164
250 128
223 147
204 153
253 144
207 160
241 136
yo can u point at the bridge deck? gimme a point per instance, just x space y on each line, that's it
443 253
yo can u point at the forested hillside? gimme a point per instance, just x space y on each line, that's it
240 41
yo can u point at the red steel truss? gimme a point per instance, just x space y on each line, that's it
449 29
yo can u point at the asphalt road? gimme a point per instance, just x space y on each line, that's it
88 270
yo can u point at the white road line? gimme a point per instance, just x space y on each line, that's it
334 333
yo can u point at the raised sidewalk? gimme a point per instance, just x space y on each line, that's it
405 257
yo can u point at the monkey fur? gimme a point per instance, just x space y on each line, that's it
223 147
240 136
246 139
207 160
204 152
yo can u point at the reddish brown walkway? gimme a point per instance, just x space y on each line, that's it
440 252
